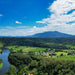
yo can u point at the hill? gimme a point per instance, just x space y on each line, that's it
52 34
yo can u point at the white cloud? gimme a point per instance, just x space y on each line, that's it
34 27
18 22
19 31
59 20
1 15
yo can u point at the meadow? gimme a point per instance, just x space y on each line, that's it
65 55
68 57
24 49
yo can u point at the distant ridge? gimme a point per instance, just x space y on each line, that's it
51 34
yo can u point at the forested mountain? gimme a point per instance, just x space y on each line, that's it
51 34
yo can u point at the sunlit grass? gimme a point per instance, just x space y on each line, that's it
59 53
24 49
68 57
70 46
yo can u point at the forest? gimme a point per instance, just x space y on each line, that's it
40 56
38 65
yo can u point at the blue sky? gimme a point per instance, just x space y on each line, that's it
28 17
25 11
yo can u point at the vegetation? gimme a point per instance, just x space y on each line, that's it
1 46
24 49
57 43
40 56
39 65
1 64
12 71
0 50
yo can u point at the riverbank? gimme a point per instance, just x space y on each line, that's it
1 64
0 50
5 65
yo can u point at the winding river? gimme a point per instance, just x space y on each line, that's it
6 64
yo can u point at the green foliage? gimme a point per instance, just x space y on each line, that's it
11 71
39 65
23 49
68 57
1 64
16 57
0 50
59 53
1 45
55 43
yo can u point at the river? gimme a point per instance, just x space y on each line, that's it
6 64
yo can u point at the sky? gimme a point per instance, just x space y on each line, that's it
29 17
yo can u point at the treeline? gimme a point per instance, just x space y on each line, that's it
38 65
0 61
39 42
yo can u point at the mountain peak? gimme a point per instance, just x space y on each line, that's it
51 34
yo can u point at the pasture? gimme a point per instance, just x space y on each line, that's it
24 49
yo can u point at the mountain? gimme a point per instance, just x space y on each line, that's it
51 34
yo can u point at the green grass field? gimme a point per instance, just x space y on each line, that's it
59 53
70 46
24 49
68 57
1 65
68 51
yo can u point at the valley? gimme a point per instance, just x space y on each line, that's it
31 56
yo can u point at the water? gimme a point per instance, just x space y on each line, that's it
6 64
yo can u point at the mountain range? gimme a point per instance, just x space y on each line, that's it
51 34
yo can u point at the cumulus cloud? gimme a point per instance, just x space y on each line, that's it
62 19
20 31
18 22
62 16
14 31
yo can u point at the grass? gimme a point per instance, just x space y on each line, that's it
59 53
68 57
33 49
24 49
68 51
65 56
1 65
70 46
